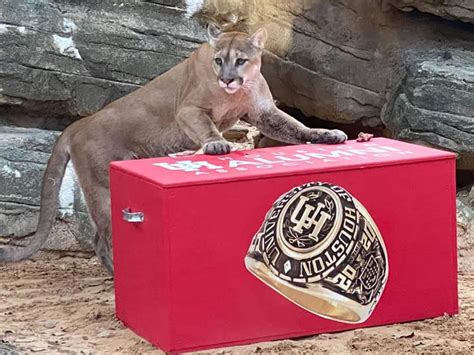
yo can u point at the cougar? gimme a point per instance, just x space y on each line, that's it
185 108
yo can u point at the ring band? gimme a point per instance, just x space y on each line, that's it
320 248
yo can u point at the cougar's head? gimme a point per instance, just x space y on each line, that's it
237 57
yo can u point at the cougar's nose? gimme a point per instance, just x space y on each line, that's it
227 81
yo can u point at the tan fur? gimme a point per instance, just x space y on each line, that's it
185 108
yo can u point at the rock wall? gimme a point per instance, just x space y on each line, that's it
70 58
24 153
405 67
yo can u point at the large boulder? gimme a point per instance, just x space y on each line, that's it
24 153
433 103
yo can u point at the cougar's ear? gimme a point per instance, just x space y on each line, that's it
213 33
259 37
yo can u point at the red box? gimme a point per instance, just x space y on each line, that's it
343 236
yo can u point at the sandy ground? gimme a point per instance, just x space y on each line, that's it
66 306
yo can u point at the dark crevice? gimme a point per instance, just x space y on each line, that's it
464 178
49 115
455 24
351 129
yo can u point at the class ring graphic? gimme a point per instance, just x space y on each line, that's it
320 248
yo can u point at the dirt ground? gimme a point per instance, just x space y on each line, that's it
66 306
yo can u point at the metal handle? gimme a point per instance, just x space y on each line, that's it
132 217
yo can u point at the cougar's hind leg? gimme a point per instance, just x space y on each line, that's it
99 208
93 175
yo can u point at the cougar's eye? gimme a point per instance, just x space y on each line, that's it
218 61
240 61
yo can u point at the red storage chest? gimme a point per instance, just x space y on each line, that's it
211 251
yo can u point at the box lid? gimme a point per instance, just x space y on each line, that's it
279 161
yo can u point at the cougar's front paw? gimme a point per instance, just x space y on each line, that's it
217 147
332 136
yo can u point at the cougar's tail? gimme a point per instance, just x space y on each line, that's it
49 199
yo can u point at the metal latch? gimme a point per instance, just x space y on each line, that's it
132 217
